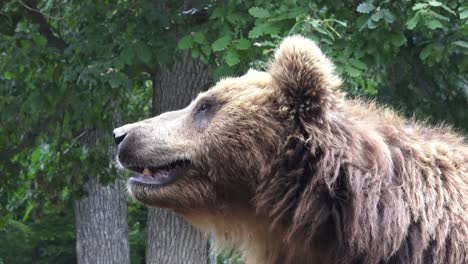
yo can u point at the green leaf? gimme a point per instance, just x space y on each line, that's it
425 52
8 75
433 24
441 17
40 40
195 53
262 29
186 42
365 8
231 57
461 43
398 40
221 71
84 154
218 13
388 15
206 49
412 22
199 37
358 64
377 15
371 24
28 210
221 43
361 22
242 44
319 27
353 72
143 52
65 193
434 3
118 79
127 55
342 23
464 14
448 9
235 19
259 12
419 6
36 155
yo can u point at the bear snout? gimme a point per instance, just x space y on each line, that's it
120 132
128 149
144 145
119 135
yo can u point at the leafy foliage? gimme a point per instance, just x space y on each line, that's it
409 54
137 216
226 257
51 240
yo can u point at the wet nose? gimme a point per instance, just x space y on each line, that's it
119 135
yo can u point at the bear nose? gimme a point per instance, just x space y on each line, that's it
119 135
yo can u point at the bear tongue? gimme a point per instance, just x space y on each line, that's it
157 174
158 177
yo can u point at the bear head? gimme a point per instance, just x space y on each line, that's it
217 152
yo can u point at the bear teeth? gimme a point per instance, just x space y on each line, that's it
147 172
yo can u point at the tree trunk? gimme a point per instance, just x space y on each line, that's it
171 240
101 224
176 87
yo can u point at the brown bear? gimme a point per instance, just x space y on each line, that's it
281 166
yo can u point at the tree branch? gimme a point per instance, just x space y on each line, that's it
33 14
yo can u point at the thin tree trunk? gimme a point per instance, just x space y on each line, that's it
170 240
101 224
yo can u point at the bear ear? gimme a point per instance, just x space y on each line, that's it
303 74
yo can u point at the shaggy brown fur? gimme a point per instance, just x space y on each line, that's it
289 171
388 189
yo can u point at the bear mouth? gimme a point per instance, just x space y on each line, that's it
161 175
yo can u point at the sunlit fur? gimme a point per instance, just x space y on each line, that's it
290 171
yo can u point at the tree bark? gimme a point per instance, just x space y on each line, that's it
101 224
175 87
171 240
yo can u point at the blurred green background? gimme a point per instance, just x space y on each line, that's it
71 68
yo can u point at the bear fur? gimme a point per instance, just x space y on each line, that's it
286 169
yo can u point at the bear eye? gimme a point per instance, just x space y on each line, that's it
203 107
204 111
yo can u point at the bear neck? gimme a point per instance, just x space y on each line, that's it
253 236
